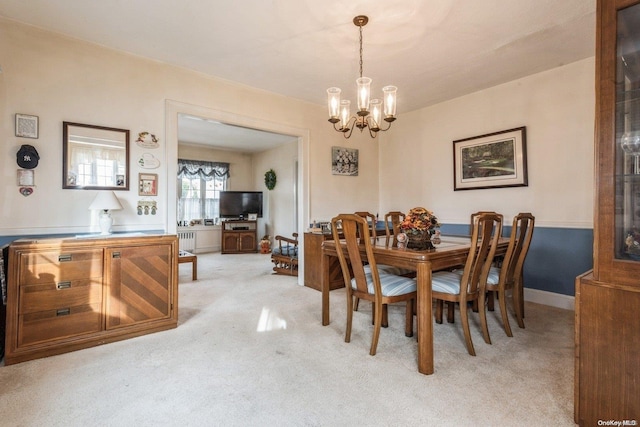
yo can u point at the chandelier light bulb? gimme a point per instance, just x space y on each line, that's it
364 92
333 94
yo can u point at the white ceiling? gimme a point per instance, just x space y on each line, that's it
433 50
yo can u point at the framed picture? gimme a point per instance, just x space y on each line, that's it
344 161
25 177
493 160
148 184
26 126
253 216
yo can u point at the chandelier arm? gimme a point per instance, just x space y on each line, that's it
387 128
348 133
372 134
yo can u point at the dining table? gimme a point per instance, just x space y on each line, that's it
450 252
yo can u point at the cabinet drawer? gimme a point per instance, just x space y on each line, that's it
52 296
56 266
51 325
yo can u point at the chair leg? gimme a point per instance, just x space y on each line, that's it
490 301
451 310
483 316
439 305
376 330
521 294
356 302
408 327
347 335
502 299
464 318
518 304
385 315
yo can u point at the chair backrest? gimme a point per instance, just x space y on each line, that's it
519 242
395 218
372 221
475 214
355 232
486 231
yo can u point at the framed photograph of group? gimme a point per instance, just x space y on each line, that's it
344 161
493 160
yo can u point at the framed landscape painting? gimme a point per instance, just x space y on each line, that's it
493 160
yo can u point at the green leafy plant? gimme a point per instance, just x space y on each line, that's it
270 179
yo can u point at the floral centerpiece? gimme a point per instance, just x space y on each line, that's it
418 225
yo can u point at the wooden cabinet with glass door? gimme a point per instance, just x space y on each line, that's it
607 328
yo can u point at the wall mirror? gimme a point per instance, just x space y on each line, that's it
94 157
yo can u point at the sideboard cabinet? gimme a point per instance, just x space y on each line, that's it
607 299
312 263
69 294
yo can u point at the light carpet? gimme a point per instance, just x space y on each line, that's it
250 350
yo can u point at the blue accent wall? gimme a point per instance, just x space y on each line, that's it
555 258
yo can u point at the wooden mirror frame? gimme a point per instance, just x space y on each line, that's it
99 133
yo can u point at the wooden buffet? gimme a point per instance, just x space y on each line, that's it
312 266
74 293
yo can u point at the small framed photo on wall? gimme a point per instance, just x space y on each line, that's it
344 161
148 184
26 126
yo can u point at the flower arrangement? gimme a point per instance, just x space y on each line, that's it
419 220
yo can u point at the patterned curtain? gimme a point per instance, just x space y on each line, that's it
204 170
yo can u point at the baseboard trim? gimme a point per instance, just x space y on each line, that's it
552 299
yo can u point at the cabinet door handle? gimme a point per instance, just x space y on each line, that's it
63 312
115 255
63 285
64 257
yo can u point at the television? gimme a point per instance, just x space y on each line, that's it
239 204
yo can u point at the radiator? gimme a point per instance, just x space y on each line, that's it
187 240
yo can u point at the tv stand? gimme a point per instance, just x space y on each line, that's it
239 236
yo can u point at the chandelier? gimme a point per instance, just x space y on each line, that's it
370 112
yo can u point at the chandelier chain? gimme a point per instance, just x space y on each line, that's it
360 26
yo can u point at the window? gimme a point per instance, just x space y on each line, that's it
199 187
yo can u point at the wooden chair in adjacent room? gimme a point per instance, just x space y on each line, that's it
378 287
285 255
509 275
464 287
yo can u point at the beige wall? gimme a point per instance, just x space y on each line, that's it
60 79
279 203
557 108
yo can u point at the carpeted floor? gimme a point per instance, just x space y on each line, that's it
250 351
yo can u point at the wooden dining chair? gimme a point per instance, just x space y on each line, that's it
372 221
394 218
509 275
372 285
464 287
